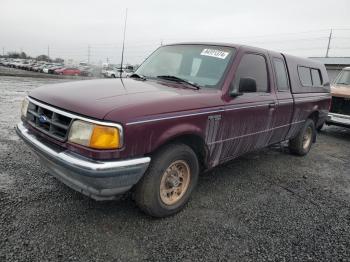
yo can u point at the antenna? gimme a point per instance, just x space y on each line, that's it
329 42
88 54
121 64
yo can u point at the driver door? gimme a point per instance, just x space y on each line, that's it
249 116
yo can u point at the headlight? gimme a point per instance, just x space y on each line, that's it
94 136
24 107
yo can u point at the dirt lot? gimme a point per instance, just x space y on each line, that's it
267 205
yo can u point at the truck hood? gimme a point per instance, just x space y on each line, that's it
341 91
127 99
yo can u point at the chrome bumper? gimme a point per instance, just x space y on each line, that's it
338 119
100 180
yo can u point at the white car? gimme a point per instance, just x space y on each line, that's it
116 73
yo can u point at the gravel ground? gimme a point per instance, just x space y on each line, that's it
267 205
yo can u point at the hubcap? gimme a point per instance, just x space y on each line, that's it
174 182
307 138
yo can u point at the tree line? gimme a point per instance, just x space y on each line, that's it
23 55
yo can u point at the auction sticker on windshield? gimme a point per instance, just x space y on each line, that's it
215 53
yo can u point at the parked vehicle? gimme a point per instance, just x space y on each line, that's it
117 73
46 67
187 108
72 71
86 71
52 69
340 110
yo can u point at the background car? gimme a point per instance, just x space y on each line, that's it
68 71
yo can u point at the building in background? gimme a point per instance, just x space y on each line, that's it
333 65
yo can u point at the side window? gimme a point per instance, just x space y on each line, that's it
253 66
281 74
316 77
305 76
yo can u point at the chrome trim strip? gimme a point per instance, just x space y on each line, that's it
193 114
283 102
339 115
335 115
255 133
315 99
76 117
89 165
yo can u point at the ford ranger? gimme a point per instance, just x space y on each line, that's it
188 108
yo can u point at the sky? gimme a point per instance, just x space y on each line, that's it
87 29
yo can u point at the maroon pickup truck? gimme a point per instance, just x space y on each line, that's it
188 108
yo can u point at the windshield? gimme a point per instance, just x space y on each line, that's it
198 64
343 78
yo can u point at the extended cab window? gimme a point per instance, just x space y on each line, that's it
281 74
199 64
305 76
309 76
316 77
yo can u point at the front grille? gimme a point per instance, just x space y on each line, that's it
340 105
49 122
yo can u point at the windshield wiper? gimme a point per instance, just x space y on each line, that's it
178 79
134 75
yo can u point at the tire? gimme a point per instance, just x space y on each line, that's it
147 193
320 127
301 144
113 76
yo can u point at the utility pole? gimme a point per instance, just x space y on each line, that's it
161 42
329 42
48 51
88 54
3 51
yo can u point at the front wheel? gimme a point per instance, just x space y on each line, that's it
301 144
169 181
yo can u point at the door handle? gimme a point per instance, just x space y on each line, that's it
272 105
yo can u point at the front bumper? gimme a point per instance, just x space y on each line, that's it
100 180
338 120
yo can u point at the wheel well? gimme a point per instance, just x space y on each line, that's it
196 143
314 116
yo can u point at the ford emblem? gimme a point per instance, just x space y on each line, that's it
42 119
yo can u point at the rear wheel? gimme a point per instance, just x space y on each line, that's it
169 181
320 127
301 144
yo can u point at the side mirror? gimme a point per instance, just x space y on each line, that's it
247 85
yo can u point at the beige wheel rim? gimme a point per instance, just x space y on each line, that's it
175 182
307 138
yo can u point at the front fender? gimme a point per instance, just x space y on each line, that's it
174 132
